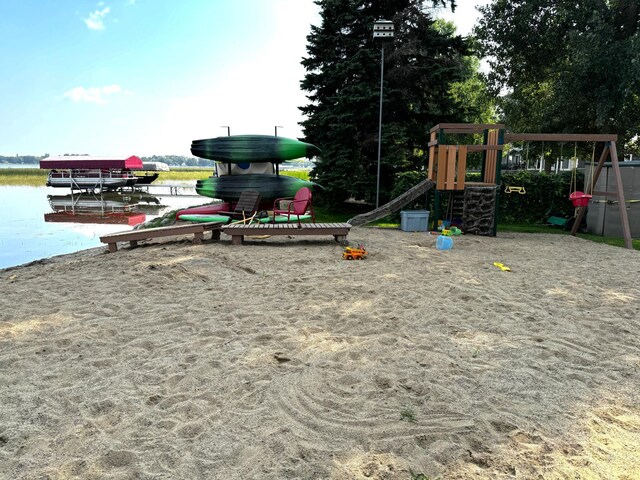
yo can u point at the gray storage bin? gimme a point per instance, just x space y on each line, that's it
414 220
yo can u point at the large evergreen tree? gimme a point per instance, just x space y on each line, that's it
565 66
422 63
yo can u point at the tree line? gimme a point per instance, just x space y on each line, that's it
554 66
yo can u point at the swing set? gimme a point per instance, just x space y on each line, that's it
581 199
447 165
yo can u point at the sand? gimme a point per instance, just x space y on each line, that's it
279 360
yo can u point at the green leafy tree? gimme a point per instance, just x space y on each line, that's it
565 66
422 64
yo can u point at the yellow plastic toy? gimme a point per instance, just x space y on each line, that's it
351 253
451 231
502 267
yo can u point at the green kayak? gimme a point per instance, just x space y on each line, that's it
194 217
283 219
252 149
270 186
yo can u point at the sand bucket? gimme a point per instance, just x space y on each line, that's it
444 243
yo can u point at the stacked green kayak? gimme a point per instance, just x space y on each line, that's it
270 186
252 149
244 150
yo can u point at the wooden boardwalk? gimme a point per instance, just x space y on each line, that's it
238 231
197 229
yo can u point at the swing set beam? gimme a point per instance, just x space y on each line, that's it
559 137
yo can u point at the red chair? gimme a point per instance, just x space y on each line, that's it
298 205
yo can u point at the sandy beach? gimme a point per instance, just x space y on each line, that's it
278 359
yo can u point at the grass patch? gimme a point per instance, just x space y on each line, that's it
408 415
32 177
36 177
326 215
614 241
185 175
188 174
301 174
527 228
524 228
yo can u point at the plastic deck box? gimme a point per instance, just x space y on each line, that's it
414 220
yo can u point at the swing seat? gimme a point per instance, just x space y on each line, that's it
580 199
557 221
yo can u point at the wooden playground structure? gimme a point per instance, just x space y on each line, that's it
450 144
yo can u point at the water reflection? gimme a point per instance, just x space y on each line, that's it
100 208
38 222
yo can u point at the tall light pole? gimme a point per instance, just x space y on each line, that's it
228 129
382 29
277 127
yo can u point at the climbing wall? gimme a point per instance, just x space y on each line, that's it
456 210
478 217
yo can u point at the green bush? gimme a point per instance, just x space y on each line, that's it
405 181
546 194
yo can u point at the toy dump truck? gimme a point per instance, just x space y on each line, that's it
351 253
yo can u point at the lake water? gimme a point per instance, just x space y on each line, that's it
19 165
40 222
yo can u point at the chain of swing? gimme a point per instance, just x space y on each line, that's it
579 198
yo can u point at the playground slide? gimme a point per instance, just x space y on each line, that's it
394 205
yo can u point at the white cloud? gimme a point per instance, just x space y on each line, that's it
96 19
95 95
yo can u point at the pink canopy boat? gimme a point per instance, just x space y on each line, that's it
84 172
86 162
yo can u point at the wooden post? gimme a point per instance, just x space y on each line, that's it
462 166
436 195
483 168
442 167
432 156
582 210
624 219
450 179
601 161
498 179
491 158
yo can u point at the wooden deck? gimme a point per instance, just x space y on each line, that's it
197 229
238 231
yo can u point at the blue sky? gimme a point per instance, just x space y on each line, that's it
146 77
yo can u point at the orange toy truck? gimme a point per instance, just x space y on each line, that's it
354 253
